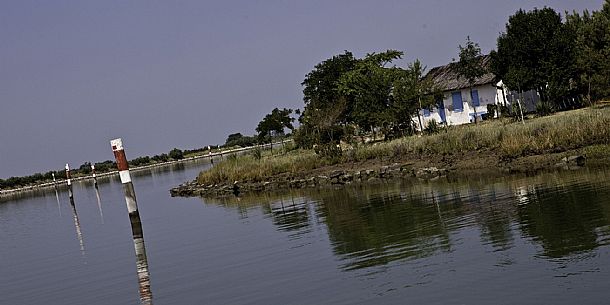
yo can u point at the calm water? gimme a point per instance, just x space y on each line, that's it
519 240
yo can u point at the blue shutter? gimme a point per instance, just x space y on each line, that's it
475 98
441 110
457 101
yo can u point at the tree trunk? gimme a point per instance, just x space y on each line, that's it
421 126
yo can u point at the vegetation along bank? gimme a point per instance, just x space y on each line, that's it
566 140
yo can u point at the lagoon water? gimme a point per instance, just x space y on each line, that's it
518 240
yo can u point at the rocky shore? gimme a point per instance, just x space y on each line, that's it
334 178
340 175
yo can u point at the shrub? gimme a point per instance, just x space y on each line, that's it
432 127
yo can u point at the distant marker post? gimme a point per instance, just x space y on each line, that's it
69 181
93 175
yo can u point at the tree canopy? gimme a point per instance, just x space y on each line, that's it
536 53
274 123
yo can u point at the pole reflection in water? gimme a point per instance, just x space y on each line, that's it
57 197
79 233
99 202
141 260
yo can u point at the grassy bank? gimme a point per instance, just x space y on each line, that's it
586 130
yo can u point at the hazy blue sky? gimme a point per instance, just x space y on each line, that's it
164 74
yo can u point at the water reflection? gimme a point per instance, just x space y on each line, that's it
58 204
99 202
368 226
141 259
79 232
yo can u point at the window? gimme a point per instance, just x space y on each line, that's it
426 112
457 101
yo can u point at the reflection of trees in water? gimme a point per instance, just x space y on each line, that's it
564 219
291 214
376 225
370 229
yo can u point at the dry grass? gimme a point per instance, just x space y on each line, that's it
556 133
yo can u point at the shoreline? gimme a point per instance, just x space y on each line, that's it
486 164
62 182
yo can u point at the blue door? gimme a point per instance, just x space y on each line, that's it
457 101
441 110
475 98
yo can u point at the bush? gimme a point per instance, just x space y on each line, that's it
432 127
544 109
176 154
491 111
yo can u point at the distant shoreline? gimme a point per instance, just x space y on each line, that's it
61 182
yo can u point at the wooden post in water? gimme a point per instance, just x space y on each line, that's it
54 180
134 217
69 181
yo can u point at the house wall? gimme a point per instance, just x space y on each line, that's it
488 94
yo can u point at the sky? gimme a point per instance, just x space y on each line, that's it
185 74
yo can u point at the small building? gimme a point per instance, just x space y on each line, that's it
457 107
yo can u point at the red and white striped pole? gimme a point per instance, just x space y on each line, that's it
69 181
134 217
123 167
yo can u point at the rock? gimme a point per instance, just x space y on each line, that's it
428 173
572 161
336 174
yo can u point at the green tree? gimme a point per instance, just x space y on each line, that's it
176 154
469 67
274 124
369 86
320 89
412 93
234 137
592 51
536 53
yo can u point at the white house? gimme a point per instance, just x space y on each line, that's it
457 107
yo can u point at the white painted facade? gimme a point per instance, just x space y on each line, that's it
487 94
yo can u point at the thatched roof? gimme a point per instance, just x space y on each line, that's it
447 78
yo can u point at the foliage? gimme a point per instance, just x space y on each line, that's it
237 139
176 154
412 93
274 123
592 48
536 52
344 94
492 109
432 127
544 108
320 90
469 66
369 86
